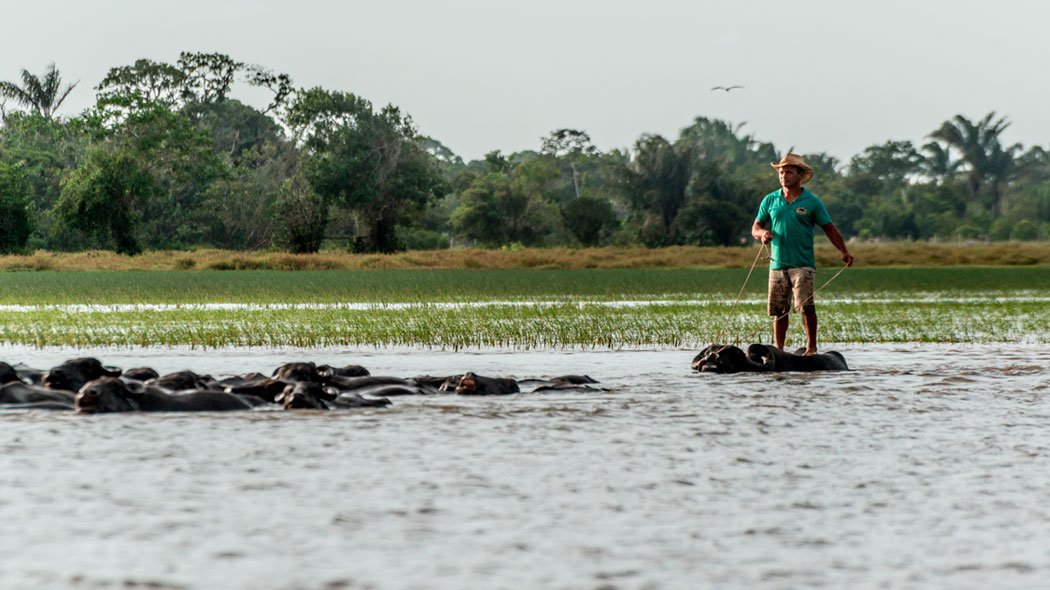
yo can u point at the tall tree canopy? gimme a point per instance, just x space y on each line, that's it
366 160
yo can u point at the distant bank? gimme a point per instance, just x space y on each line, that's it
868 255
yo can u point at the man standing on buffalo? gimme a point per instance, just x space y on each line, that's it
786 218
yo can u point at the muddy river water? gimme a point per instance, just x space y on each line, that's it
925 467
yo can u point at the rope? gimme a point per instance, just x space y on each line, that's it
810 298
736 300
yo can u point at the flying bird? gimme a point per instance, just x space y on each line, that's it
727 88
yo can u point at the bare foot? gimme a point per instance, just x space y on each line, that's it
810 352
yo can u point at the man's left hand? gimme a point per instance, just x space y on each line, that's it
847 258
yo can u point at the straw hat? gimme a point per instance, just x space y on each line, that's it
795 160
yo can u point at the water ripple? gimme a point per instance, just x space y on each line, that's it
922 468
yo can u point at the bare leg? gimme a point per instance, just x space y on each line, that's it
780 330
809 322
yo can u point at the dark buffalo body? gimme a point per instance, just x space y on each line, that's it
473 384
313 396
17 392
719 358
183 380
110 394
140 374
73 374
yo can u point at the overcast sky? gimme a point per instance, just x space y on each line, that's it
478 75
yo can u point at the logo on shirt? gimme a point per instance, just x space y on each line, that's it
801 211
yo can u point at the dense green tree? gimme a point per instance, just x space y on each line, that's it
45 150
181 157
203 168
201 78
208 77
591 219
104 198
655 181
717 211
196 77
234 127
302 216
703 188
937 209
366 160
146 85
891 163
41 94
16 224
482 212
507 205
249 208
441 153
1031 202
571 147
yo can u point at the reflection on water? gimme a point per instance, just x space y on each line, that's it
925 467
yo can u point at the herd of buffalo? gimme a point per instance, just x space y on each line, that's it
87 386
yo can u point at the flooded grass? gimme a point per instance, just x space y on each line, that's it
459 309
557 325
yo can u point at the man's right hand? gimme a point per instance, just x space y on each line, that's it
765 236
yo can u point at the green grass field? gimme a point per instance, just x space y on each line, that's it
458 309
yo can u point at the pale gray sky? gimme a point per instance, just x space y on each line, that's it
820 75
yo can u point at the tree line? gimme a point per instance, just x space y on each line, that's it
169 157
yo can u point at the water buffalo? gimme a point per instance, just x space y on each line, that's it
8 374
59 406
109 394
313 396
328 371
473 384
140 374
565 383
797 361
318 374
375 383
242 379
183 380
298 372
73 374
29 374
266 388
17 392
719 358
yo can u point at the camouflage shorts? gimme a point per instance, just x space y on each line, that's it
791 283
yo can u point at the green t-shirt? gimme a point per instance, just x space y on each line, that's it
792 227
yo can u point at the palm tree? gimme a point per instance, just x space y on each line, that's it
937 162
1003 164
714 139
979 147
42 94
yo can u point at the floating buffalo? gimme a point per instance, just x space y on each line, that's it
726 358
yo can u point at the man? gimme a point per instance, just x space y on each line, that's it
786 218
